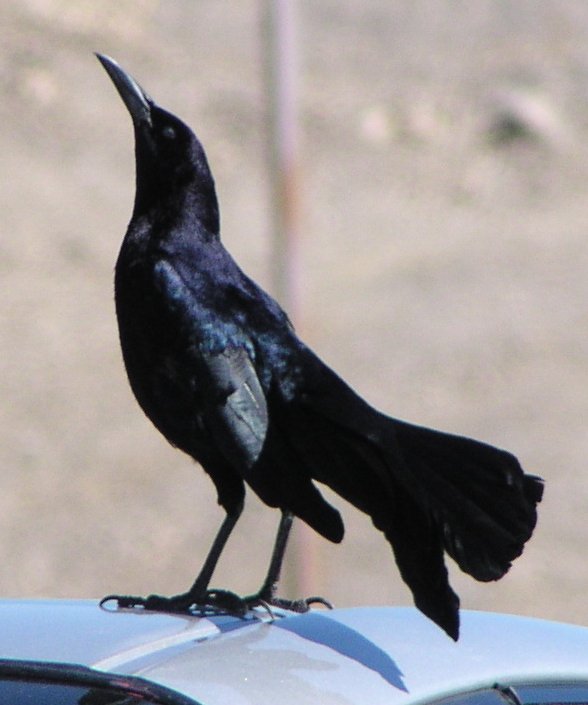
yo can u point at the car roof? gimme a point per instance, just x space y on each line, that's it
394 654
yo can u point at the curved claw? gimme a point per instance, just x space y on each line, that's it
318 600
122 601
266 606
153 602
299 606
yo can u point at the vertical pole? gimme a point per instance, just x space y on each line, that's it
281 79
281 74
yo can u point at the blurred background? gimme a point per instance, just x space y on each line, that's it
442 270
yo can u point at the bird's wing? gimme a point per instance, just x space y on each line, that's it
234 408
238 416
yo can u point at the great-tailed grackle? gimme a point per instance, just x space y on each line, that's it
217 367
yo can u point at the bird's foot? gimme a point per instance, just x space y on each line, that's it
213 602
302 605
209 602
261 599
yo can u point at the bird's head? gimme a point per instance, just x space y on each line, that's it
170 161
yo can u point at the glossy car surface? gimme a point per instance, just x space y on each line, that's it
347 656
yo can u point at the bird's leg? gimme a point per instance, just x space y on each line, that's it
268 589
267 593
198 594
202 582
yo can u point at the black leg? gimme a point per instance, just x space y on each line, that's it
267 593
268 589
203 580
198 594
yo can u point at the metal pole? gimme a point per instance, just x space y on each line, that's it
281 84
283 146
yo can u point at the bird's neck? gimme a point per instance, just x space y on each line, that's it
193 206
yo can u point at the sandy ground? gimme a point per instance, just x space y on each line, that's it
443 270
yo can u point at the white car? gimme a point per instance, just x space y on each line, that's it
58 652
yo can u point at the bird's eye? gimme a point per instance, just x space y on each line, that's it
168 132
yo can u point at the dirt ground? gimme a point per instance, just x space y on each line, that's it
443 270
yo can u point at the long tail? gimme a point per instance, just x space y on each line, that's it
429 492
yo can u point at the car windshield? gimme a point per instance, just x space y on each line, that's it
528 694
35 683
558 694
21 692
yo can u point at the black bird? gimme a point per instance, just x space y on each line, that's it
216 365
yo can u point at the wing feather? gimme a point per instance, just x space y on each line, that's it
233 401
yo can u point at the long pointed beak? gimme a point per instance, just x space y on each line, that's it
138 103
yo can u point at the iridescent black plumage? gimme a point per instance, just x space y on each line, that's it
217 367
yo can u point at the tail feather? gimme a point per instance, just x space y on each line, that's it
429 492
418 551
357 470
479 495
